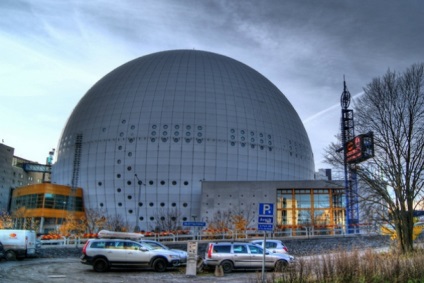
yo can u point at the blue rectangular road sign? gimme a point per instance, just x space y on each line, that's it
266 217
266 209
265 227
194 224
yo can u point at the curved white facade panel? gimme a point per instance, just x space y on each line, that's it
170 120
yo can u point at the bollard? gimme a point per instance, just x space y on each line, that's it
219 272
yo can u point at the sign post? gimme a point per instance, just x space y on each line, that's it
265 223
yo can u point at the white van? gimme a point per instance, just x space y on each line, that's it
18 244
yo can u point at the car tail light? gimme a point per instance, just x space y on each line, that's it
286 249
85 247
210 249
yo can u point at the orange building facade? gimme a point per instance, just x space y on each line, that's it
49 204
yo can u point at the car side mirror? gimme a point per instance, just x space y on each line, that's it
143 249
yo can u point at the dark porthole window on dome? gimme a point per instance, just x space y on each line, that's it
177 127
185 204
162 204
243 144
232 131
242 138
173 204
176 133
199 140
129 154
131 140
118 190
118 176
162 182
132 127
152 139
151 182
140 204
124 121
174 183
152 218
129 197
120 147
187 140
162 218
119 203
242 132
154 126
165 127
252 146
99 183
176 139
151 204
129 168
164 139
121 134
153 133
185 183
188 127
233 143
165 133
233 137
199 135
188 134
184 218
118 161
141 218
130 211
101 204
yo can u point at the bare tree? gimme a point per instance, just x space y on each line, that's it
392 107
167 220
95 219
116 223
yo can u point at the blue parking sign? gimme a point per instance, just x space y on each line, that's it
266 209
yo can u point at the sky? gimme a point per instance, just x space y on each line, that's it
53 51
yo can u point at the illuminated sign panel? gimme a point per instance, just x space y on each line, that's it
360 148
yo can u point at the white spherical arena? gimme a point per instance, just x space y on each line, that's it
143 138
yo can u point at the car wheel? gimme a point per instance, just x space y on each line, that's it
10 255
227 266
100 265
159 265
280 265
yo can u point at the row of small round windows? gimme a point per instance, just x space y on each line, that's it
129 183
151 204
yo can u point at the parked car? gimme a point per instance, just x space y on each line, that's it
274 246
160 246
2 253
239 255
104 254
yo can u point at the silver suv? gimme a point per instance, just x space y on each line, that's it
104 254
239 255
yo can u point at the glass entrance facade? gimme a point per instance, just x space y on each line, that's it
320 210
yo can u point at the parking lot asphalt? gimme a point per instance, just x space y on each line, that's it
58 270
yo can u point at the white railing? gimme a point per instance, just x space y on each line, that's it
307 232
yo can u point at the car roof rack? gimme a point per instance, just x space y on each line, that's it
105 234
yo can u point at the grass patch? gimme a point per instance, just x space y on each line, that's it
358 266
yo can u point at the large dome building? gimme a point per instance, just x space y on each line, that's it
145 136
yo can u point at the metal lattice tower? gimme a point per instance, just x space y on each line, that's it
348 133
